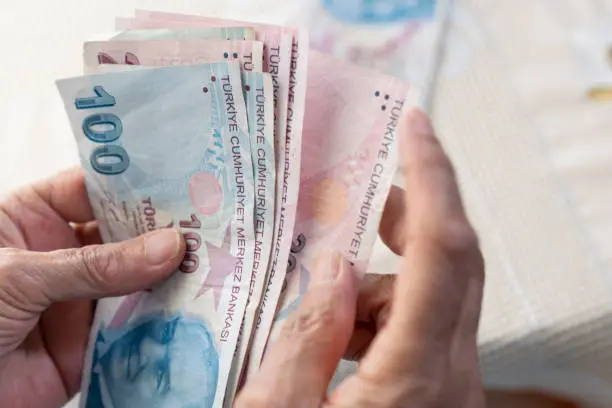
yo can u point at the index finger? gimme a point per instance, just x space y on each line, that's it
63 193
441 258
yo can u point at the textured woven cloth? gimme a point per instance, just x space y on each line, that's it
534 158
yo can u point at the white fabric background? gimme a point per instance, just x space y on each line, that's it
534 157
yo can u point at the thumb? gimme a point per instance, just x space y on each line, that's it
311 342
34 280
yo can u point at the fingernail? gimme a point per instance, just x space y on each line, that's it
419 123
329 268
162 246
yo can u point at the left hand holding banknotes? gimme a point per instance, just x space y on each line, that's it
51 264
415 336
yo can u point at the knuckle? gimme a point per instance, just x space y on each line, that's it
457 241
12 266
375 297
437 160
459 236
99 267
10 259
462 244
454 236
431 158
17 279
311 320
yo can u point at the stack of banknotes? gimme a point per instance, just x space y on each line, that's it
264 155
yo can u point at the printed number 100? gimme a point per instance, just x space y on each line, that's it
103 128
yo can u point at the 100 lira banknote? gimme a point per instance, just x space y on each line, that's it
258 92
285 57
173 345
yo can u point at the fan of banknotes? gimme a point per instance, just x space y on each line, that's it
266 156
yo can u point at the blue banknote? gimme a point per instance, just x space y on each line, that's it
168 147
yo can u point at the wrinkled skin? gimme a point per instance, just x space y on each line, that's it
48 275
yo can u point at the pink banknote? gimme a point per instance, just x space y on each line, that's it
348 162
294 84
173 52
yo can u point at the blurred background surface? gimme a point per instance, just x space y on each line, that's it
532 150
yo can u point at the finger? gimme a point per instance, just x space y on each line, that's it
32 281
48 205
64 193
88 233
441 256
392 224
301 363
373 307
68 325
375 298
361 339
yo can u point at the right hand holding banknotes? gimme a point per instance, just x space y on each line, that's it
415 336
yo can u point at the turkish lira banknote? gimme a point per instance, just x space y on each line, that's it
160 52
168 147
165 51
290 65
348 162
264 158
